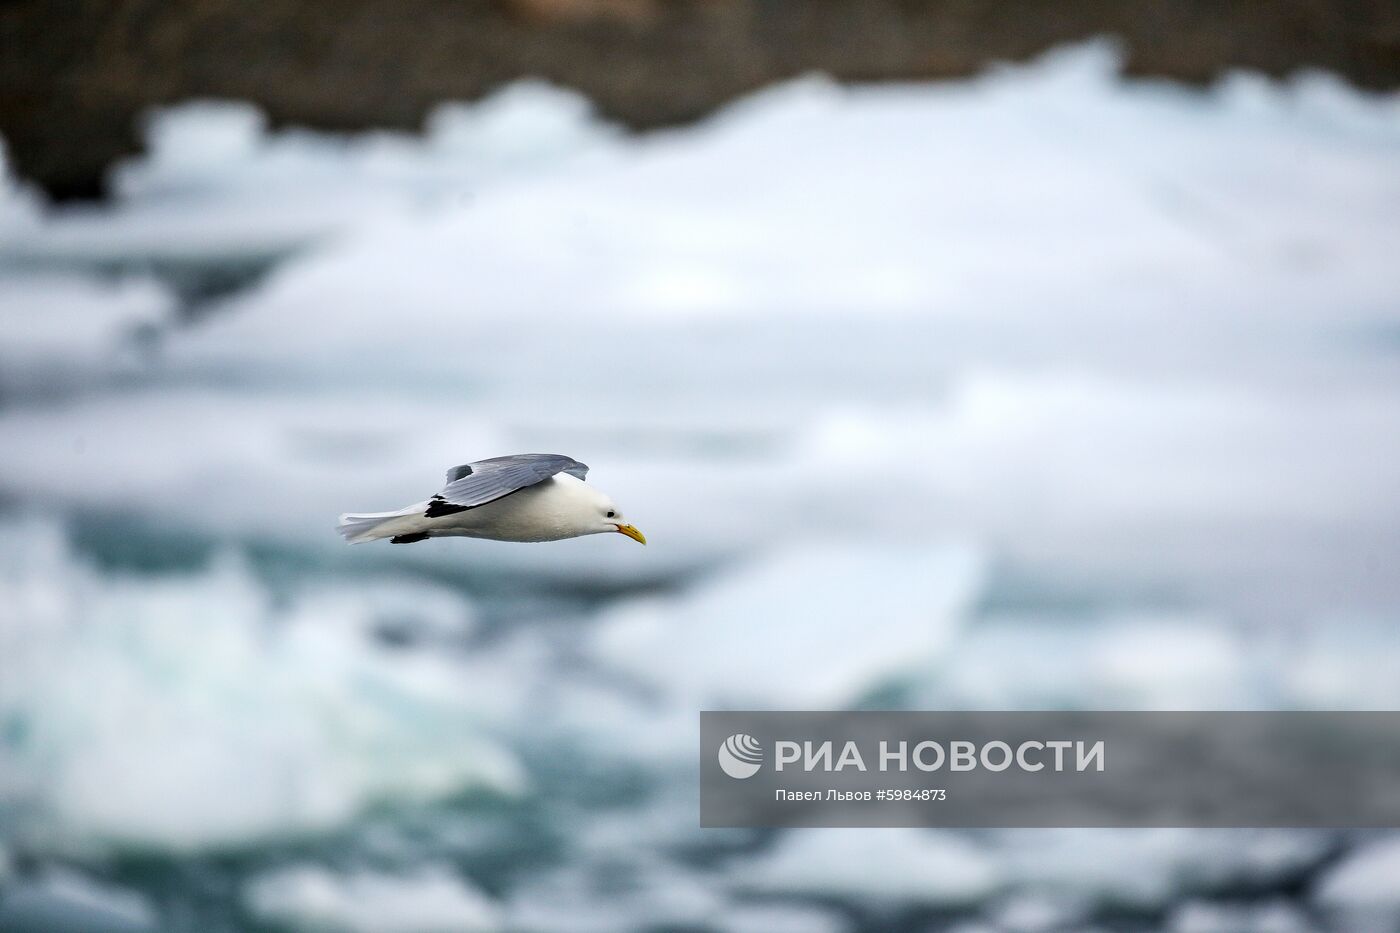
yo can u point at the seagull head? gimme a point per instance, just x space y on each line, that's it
612 520
598 514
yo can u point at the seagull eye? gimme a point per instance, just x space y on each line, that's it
612 515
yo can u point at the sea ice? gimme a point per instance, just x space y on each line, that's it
216 186
807 627
1122 661
63 332
890 867
1210 917
780 918
430 899
1366 883
1144 870
194 711
618 893
64 901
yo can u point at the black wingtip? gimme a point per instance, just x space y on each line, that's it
409 539
438 507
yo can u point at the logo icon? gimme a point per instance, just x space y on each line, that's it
740 755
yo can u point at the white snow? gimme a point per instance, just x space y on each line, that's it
217 184
430 899
64 899
1112 204
1147 869
19 206
1365 880
1119 662
1208 917
281 467
808 627
192 711
624 891
779 918
846 354
223 151
1346 663
888 866
1040 912
1113 330
61 331
272 465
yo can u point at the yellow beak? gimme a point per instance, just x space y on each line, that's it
631 532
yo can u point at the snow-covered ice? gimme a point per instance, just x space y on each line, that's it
1121 662
1207 917
192 711
1184 381
776 918
1364 883
217 186
62 332
1045 388
789 628
1143 871
429 900
621 892
891 867
61 901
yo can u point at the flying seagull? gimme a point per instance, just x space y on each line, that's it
522 497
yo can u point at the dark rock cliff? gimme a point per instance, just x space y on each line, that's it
76 74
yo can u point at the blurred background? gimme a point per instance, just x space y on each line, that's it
950 354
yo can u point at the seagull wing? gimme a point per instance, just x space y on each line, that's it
474 484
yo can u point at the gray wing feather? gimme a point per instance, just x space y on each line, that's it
473 484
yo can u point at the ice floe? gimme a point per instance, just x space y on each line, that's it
1363 884
1143 870
797 627
899 867
193 711
430 899
883 372
60 333
64 901
218 187
1208 917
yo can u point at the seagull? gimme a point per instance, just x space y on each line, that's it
522 497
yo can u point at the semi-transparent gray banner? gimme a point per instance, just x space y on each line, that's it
1005 769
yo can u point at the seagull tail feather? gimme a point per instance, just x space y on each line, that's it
357 529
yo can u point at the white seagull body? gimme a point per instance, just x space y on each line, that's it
522 497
